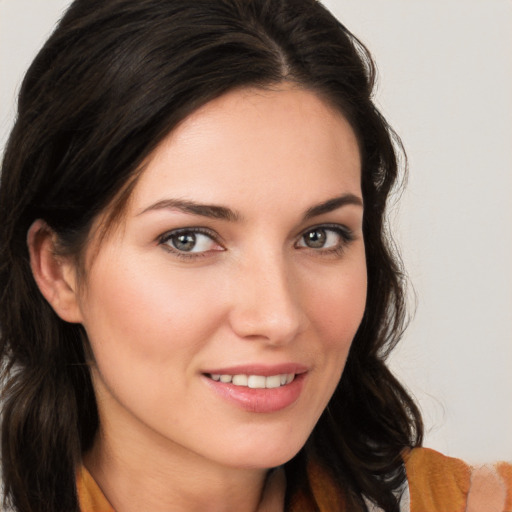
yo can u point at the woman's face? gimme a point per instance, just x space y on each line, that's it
221 311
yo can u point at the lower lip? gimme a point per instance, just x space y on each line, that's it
260 400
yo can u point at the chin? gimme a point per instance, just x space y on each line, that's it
264 453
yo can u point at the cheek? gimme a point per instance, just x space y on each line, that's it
145 324
141 308
337 307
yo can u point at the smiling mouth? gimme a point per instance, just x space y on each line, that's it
254 381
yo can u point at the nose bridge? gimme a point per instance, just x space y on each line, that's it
264 302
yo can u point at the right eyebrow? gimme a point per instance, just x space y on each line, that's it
204 210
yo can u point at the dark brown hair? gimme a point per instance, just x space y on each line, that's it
114 78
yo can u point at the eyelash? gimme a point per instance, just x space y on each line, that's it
346 235
166 237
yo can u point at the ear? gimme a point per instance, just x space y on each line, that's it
55 275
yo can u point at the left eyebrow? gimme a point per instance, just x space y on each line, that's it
333 204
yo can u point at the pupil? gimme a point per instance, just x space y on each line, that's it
316 238
185 242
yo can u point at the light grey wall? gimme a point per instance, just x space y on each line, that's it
24 26
445 85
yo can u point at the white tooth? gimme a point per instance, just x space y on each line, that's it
290 377
256 381
240 380
274 381
226 378
282 379
215 376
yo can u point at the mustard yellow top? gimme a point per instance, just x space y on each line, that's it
436 483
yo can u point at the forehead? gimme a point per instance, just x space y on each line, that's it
250 142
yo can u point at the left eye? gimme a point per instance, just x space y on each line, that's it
322 238
189 241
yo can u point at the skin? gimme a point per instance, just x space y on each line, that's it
253 293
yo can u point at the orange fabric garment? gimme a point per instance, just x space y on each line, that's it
90 497
443 484
436 484
328 495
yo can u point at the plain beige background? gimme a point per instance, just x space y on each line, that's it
445 84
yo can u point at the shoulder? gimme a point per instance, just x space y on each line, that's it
438 483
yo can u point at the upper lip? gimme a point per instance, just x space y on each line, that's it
259 369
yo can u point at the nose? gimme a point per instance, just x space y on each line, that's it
265 302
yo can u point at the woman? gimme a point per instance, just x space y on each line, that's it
198 293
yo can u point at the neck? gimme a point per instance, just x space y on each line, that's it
164 478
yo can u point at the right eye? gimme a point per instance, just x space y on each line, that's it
190 242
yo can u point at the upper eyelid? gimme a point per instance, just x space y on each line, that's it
327 225
209 231
193 229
